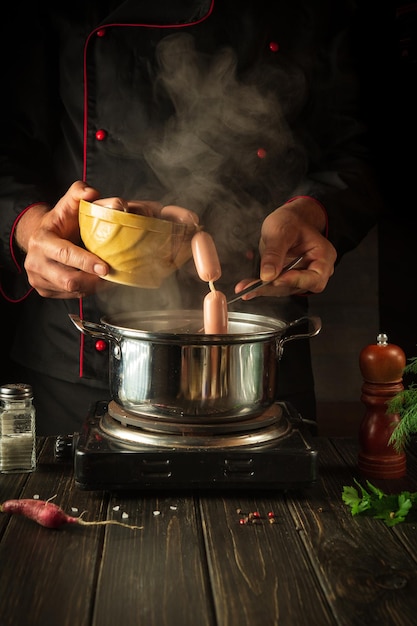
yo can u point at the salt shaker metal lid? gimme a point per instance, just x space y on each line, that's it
16 391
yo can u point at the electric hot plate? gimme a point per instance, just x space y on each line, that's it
116 450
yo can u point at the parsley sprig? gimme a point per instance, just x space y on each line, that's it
392 509
404 403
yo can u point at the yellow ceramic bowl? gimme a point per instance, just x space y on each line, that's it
141 251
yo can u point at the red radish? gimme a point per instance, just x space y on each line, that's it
48 514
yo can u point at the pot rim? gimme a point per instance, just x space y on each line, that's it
181 325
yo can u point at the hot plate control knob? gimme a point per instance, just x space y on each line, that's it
382 366
63 449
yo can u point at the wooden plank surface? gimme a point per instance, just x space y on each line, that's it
156 576
11 486
194 562
260 572
367 576
49 576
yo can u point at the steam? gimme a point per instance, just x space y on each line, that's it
205 156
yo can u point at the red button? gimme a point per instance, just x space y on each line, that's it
101 32
273 46
101 345
261 153
101 135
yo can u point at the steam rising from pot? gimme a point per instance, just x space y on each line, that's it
225 151
207 155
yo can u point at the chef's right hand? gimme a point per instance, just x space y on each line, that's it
294 229
56 264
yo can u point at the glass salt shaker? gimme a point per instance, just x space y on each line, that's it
17 429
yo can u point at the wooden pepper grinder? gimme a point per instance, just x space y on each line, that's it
382 366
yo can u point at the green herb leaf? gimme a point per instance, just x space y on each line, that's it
392 509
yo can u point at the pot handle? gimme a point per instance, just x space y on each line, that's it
91 328
314 324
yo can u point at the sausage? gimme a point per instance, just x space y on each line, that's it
117 204
179 214
215 313
147 208
205 257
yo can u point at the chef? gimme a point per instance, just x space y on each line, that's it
244 113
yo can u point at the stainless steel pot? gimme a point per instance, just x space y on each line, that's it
162 366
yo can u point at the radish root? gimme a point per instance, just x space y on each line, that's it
50 515
105 522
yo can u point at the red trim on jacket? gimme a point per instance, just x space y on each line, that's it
320 204
82 342
11 239
101 27
15 260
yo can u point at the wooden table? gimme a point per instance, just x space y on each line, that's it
195 564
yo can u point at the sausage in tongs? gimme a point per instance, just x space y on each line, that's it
215 313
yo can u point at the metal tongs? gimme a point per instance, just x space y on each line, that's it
262 283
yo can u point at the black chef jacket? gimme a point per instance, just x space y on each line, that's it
227 108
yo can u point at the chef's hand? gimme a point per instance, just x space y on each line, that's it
292 230
56 264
